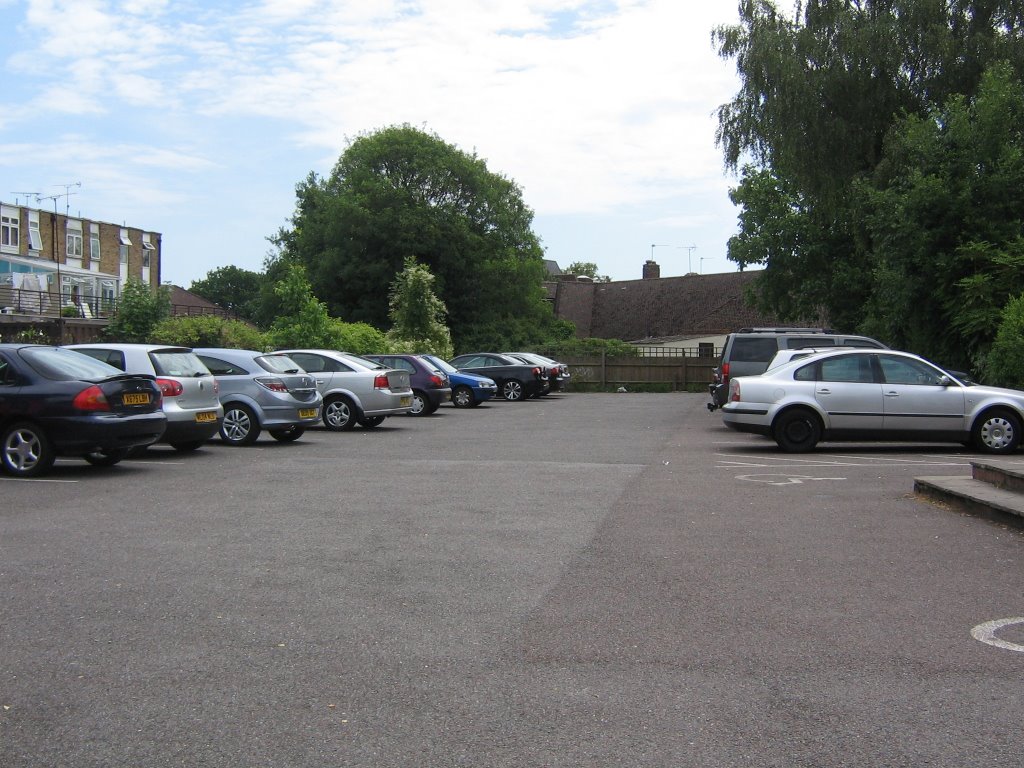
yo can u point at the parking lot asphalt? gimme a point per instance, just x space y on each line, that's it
580 580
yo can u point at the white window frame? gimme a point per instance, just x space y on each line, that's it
147 247
10 229
73 230
35 237
94 247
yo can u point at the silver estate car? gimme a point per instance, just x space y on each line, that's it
870 395
262 390
190 392
355 390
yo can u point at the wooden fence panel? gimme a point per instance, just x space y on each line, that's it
681 373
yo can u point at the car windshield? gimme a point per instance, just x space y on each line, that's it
178 363
278 364
66 365
446 367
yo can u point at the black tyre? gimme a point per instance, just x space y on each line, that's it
106 458
797 430
996 431
339 414
369 422
240 426
462 397
512 390
187 446
288 434
420 404
26 450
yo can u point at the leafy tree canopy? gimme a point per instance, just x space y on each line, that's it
139 309
587 269
822 129
235 289
417 315
403 192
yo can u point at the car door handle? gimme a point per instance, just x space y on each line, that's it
824 392
892 394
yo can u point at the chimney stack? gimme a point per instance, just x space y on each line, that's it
651 270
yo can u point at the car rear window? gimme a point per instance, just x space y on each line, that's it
802 343
278 364
65 365
184 364
753 350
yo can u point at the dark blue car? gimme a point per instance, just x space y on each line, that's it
468 389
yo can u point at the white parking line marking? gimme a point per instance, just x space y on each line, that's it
782 461
787 479
35 480
986 633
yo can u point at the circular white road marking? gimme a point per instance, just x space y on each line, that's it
986 633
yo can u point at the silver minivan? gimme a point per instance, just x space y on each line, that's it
190 392
748 351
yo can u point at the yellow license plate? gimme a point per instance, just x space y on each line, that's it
206 416
135 398
307 413
406 402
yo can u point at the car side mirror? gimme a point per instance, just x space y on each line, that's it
944 381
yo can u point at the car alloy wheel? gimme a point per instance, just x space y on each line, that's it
420 406
240 426
339 414
512 390
26 451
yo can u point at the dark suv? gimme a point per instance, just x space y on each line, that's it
430 385
748 351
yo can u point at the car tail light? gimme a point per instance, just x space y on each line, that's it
216 387
536 371
91 399
170 387
436 381
274 385
725 371
734 390
380 381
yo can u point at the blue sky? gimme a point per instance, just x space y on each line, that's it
196 119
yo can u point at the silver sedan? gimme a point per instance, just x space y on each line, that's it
871 394
355 390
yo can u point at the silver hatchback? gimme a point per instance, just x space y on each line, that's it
355 390
190 392
262 390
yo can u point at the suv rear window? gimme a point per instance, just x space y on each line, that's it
747 349
802 342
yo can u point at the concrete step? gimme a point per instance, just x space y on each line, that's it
1008 475
977 496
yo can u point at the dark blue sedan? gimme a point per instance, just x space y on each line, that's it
56 402
468 389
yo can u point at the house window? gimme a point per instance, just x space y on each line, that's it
74 238
94 243
35 238
10 229
125 245
147 249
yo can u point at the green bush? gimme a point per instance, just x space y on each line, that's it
208 331
1004 363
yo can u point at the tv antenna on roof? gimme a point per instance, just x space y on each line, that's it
26 195
67 194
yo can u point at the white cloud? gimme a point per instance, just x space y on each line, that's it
591 106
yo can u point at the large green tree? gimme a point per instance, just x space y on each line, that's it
233 288
820 92
403 192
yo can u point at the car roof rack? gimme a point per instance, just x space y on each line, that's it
786 330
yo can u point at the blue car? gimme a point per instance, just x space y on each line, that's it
468 389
